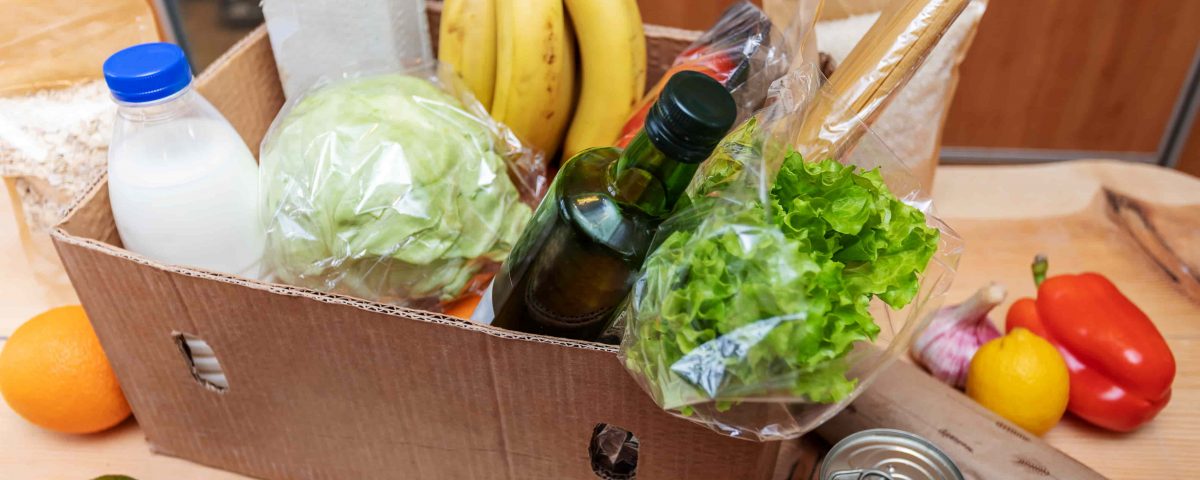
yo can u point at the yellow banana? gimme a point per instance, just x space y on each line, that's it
612 50
535 71
467 42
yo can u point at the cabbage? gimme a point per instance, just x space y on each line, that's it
387 188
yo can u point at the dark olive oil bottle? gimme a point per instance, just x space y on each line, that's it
579 256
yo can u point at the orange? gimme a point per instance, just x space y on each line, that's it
54 374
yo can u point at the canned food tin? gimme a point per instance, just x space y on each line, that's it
887 454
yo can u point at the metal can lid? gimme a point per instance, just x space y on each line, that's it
887 454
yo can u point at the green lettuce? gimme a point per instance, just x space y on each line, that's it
853 220
745 301
387 188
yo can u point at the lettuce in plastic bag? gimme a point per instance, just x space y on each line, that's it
743 302
388 188
854 220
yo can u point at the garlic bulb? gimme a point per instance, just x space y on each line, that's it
945 347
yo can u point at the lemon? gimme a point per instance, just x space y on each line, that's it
1022 378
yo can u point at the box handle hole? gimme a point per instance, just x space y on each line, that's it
203 363
614 452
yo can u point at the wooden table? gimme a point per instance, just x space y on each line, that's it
1071 211
27 452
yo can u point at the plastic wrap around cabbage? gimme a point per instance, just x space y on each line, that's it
392 188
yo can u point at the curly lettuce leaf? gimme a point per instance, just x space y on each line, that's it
748 303
855 220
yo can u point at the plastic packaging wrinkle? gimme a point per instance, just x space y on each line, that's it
742 50
394 187
806 257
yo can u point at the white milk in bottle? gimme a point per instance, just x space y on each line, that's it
182 184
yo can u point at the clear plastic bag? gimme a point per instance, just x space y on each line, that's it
881 63
56 119
912 124
807 258
742 51
393 187
58 43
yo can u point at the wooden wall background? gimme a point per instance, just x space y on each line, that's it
1190 160
689 14
1074 74
1094 75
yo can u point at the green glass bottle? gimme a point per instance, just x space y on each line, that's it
579 256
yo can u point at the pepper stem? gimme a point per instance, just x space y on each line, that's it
1040 266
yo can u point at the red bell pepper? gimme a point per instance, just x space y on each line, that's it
1121 367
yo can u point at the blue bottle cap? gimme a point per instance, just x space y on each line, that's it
147 72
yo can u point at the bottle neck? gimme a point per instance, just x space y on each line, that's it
649 179
158 110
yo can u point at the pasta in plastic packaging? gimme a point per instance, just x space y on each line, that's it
912 123
393 187
805 260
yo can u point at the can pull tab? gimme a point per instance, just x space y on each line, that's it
868 474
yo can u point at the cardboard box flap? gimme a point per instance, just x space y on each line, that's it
329 386
90 217
245 87
354 393
250 108
661 52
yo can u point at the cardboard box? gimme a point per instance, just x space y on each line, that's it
327 386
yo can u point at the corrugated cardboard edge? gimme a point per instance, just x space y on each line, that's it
982 444
61 235
670 41
161 298
214 73
254 109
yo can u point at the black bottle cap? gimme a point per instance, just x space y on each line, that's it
692 114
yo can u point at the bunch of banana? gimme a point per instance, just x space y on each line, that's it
519 59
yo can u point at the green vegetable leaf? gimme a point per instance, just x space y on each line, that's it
745 303
882 242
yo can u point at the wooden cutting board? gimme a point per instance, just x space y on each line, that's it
1137 224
